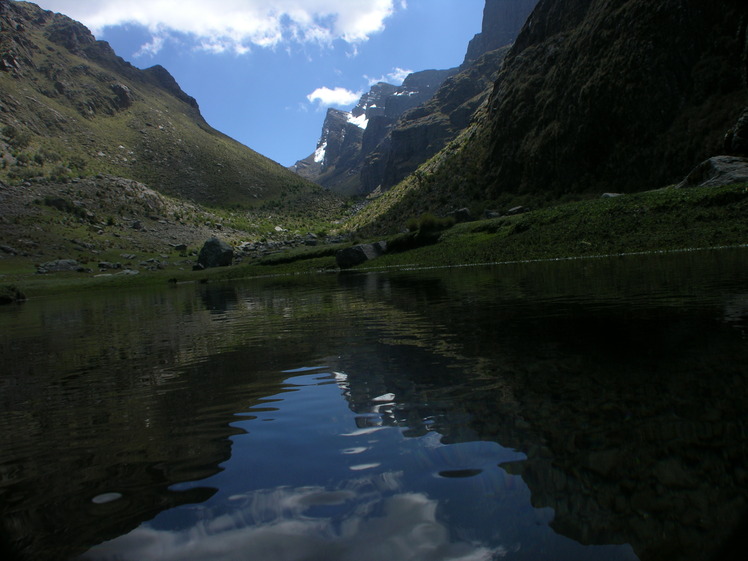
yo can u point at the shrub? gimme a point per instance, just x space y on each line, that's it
430 223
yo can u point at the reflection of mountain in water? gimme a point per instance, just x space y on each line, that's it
625 391
631 410
130 396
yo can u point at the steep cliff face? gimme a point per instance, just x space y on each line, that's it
69 106
334 162
596 96
431 107
347 137
502 22
423 131
616 96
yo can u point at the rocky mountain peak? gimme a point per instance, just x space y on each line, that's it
502 22
347 136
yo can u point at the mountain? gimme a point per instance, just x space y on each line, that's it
413 122
502 22
347 137
69 106
594 96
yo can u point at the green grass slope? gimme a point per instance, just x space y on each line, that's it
69 107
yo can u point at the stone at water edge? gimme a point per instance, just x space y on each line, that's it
215 253
352 256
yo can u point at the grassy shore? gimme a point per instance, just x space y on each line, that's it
663 220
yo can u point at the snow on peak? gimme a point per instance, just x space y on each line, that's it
361 121
319 153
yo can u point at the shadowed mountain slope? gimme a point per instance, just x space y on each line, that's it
595 96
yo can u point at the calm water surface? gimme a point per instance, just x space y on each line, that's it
586 410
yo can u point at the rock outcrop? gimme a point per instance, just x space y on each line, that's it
215 253
423 131
716 171
348 136
412 123
502 22
358 254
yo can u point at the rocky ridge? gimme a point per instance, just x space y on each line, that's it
581 107
408 125
348 136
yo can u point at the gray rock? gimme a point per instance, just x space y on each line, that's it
109 265
516 210
60 265
215 253
716 171
461 215
611 195
356 255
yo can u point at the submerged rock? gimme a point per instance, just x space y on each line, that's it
215 253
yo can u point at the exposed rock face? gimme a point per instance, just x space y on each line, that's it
502 22
408 125
716 171
215 253
423 131
347 137
334 162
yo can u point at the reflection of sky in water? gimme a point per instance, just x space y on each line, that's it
407 528
321 482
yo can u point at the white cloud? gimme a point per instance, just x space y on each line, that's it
236 25
327 97
395 77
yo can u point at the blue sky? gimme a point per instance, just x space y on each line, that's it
265 71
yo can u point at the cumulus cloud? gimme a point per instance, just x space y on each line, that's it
236 25
339 97
395 77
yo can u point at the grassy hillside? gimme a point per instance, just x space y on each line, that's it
654 221
70 107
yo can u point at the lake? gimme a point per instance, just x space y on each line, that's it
568 410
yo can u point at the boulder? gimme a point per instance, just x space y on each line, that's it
215 253
352 256
9 294
716 171
461 215
60 265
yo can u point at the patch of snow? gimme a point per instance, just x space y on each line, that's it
319 153
361 121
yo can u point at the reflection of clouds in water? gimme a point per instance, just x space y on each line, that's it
275 525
